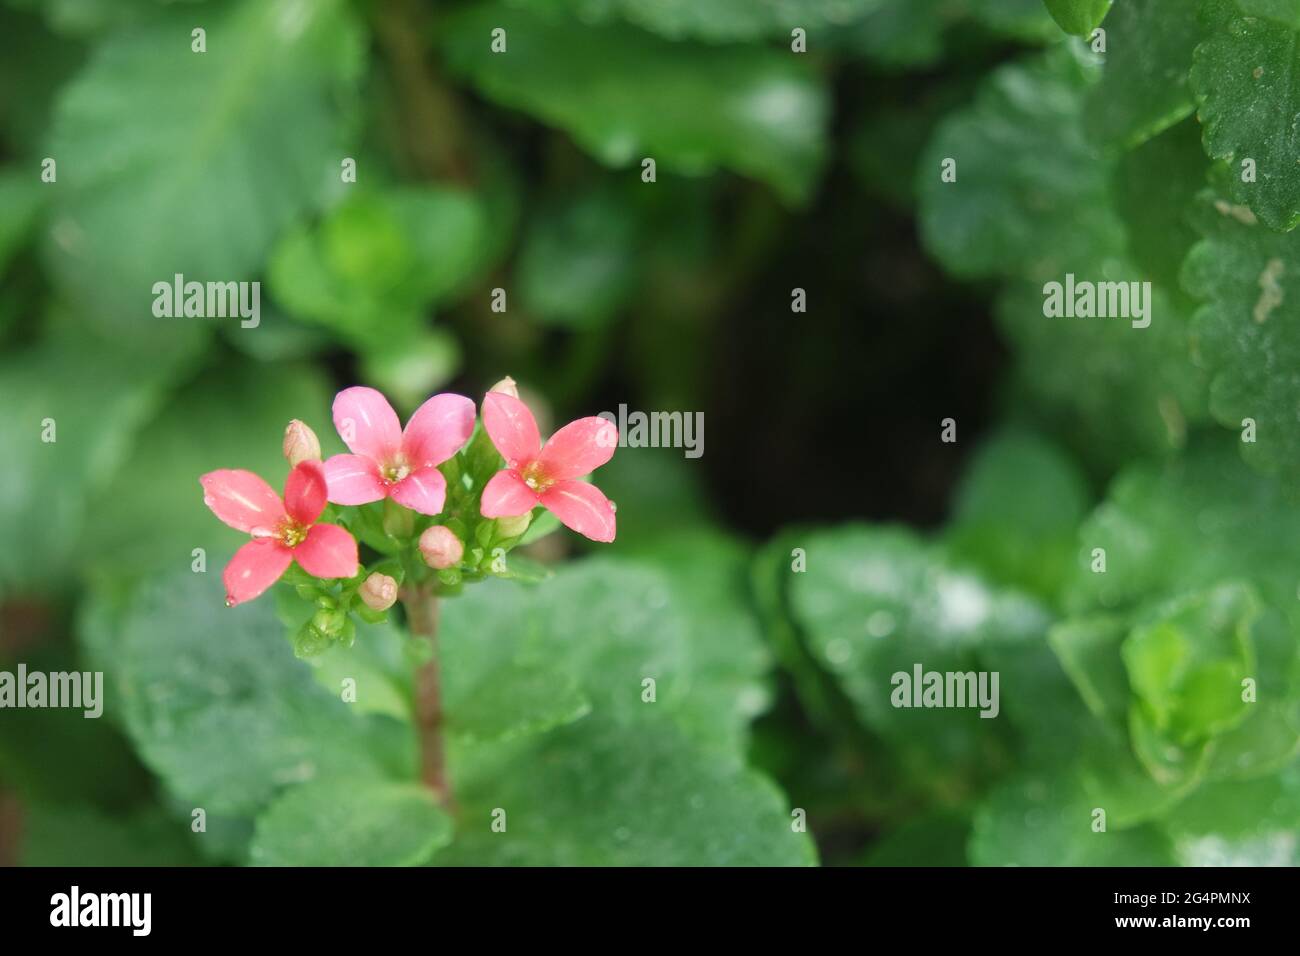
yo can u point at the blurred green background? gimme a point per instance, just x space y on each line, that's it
521 171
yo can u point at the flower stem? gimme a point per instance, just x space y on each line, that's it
421 605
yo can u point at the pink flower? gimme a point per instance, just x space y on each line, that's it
547 476
283 531
387 462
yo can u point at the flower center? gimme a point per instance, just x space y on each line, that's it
535 478
395 470
292 534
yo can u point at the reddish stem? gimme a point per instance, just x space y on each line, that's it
422 617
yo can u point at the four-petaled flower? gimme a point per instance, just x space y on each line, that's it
283 531
387 462
547 475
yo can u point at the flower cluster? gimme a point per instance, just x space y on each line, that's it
431 499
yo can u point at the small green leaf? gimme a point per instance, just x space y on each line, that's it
1079 17
349 822
379 259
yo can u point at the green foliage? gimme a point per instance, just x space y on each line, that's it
626 96
151 138
1114 536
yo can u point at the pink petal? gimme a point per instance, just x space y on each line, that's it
327 552
254 568
579 448
367 423
511 427
506 496
423 490
305 492
243 501
582 508
437 430
354 480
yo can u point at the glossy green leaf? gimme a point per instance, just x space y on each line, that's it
152 138
1038 820
216 703
1243 74
1031 194
875 603
625 95
626 793
1144 83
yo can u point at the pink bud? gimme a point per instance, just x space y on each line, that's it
506 386
379 592
441 548
300 444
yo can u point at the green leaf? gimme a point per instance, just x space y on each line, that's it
579 262
1031 194
152 516
1079 17
1240 823
1186 665
1089 650
1244 78
496 687
1155 186
627 793
346 822
1039 820
625 95
215 702
379 259
1111 391
73 406
1246 330
1017 512
607 624
152 138
1144 83
1169 529
877 602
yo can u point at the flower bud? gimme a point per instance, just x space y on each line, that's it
506 386
300 444
441 548
379 592
514 527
